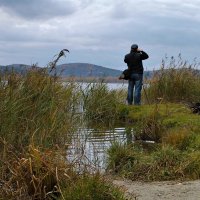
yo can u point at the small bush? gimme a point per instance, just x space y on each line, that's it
150 127
178 138
193 142
121 157
93 187
192 165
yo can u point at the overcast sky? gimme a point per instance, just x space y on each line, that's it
98 31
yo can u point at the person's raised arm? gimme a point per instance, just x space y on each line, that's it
144 55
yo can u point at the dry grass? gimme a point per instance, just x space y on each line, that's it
38 116
38 174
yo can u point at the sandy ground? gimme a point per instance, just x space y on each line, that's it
167 190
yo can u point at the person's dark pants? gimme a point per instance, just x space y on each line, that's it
135 83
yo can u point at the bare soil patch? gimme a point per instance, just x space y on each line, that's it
166 190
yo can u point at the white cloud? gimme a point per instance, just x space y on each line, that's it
97 31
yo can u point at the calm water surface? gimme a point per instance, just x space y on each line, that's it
110 85
89 146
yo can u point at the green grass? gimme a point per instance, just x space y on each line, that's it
175 155
93 187
164 163
121 157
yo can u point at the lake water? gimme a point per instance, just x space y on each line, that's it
89 146
111 86
117 85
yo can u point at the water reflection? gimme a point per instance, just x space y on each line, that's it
89 146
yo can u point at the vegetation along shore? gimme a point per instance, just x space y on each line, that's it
39 116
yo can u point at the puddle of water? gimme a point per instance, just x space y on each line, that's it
89 147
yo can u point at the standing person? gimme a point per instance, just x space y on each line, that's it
135 66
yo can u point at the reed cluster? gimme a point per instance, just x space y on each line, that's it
35 109
175 81
38 116
101 104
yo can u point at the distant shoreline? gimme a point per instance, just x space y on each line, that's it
93 79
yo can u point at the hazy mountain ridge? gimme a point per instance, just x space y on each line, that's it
18 68
72 70
86 70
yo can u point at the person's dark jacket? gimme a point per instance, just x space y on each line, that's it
134 61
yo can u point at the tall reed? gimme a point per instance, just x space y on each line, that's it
37 113
175 81
38 116
101 104
35 109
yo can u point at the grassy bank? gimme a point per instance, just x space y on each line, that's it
175 153
169 122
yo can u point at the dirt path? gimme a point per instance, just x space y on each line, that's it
167 190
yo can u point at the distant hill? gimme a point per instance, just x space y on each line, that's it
17 68
68 70
86 70
80 70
